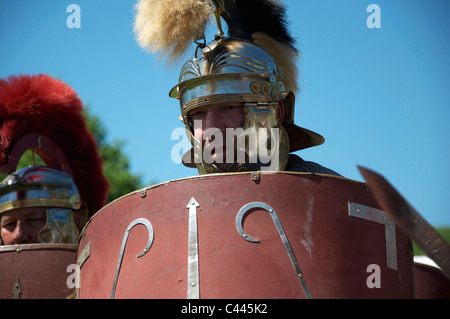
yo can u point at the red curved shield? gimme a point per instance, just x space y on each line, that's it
246 235
36 271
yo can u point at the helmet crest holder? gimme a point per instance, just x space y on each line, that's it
41 145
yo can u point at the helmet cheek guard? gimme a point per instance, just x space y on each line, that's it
60 227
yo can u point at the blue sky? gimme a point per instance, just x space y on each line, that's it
379 96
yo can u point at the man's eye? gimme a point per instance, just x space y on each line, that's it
197 116
198 113
233 107
9 225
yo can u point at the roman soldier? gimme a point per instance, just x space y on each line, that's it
44 115
237 92
44 206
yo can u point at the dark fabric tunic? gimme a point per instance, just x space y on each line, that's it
297 164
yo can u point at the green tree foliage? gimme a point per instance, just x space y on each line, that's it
27 159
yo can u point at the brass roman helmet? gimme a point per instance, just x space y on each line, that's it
41 186
254 65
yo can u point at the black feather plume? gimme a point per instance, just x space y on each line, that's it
268 16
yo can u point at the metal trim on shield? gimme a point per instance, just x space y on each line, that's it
193 288
282 234
137 221
380 217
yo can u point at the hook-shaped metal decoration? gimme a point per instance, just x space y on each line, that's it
137 221
284 239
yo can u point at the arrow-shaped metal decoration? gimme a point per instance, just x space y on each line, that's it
16 291
408 219
193 288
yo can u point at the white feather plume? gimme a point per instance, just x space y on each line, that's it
168 27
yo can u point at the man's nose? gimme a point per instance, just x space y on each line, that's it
21 235
214 119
